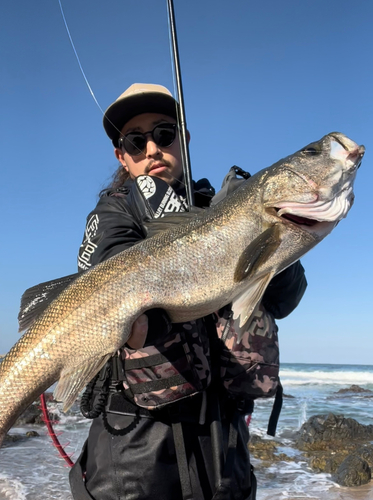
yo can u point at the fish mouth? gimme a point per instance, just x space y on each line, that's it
317 211
318 229
297 219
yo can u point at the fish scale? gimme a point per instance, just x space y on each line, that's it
201 262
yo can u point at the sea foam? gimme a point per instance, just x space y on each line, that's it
321 377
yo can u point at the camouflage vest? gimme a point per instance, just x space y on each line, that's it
250 368
180 366
174 368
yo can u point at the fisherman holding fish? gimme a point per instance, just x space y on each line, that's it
174 335
168 422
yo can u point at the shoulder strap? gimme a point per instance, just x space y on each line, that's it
230 183
276 410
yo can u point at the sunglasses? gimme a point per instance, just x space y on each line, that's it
135 142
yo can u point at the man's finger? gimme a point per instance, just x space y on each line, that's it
139 332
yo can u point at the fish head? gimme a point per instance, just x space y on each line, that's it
313 188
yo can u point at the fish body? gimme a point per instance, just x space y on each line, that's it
227 253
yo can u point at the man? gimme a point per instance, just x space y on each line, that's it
163 421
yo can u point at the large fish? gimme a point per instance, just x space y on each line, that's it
227 253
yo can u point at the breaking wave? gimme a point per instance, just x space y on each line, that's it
328 375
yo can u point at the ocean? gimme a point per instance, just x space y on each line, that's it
31 469
314 388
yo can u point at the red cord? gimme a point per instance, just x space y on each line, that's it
52 434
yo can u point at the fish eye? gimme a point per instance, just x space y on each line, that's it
309 150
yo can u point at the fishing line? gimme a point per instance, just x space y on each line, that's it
77 58
181 183
81 68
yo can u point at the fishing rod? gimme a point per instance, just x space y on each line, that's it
181 111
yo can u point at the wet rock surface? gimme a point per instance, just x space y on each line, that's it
353 471
324 432
266 450
33 414
366 452
10 439
339 446
327 461
329 444
354 388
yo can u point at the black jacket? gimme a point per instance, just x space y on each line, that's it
116 222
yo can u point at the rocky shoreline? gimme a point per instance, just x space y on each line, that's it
329 443
33 416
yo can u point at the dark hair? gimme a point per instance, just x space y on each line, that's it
118 178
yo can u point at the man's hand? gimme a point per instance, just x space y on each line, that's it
139 333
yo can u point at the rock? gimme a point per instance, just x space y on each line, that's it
366 453
324 432
266 449
354 388
30 434
327 461
259 443
33 414
9 439
334 444
12 438
353 471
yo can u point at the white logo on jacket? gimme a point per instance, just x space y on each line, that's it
87 248
147 185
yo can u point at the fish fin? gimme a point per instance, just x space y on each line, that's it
171 220
257 253
36 299
240 330
74 378
244 304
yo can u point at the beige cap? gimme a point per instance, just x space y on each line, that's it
137 99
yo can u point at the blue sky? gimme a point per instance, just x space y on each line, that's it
261 80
